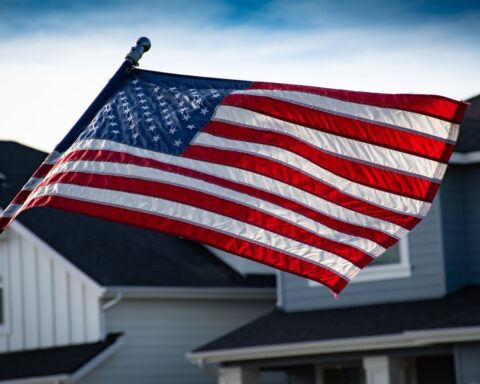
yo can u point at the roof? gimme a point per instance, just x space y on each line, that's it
51 361
469 138
460 309
115 254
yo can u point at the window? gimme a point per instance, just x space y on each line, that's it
394 263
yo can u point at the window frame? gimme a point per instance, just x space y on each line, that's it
400 270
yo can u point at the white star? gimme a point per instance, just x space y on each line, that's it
140 94
159 97
138 88
135 81
169 122
186 117
130 118
177 95
121 93
110 117
164 111
123 98
172 89
127 110
162 104
191 126
145 107
172 130
113 124
156 138
142 101
156 89
149 120
135 135
181 103
147 113
204 111
152 127
115 131
177 143
125 104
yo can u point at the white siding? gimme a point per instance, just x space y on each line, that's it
159 332
46 304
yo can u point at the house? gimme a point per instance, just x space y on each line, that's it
91 301
411 317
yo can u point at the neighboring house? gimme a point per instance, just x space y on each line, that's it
92 301
412 318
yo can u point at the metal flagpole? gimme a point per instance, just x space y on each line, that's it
131 61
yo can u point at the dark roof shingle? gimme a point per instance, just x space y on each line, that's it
51 361
461 309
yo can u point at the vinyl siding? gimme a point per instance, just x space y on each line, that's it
427 278
158 334
461 222
45 305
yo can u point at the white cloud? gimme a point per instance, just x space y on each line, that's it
49 79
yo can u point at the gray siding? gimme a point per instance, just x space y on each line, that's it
461 223
467 367
158 334
427 279
454 235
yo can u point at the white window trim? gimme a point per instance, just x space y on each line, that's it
401 270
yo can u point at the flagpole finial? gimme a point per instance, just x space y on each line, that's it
136 53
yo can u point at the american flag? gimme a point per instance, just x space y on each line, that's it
313 181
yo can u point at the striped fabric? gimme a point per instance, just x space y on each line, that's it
313 181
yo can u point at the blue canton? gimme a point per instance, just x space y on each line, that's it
159 112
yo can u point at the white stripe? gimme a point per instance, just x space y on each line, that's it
384 199
32 183
255 180
11 210
147 173
52 157
394 117
349 148
197 216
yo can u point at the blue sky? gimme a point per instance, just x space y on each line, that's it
55 56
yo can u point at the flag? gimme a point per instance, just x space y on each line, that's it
313 181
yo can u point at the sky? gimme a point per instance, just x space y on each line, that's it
55 56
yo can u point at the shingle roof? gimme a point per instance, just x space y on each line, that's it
461 309
469 138
50 361
115 254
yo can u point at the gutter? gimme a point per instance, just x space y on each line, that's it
210 293
402 340
465 158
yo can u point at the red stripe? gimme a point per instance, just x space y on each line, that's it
297 179
216 204
356 230
4 221
431 105
351 128
42 170
374 177
216 239
21 197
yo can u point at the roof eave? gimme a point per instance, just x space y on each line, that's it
406 339
211 293
465 158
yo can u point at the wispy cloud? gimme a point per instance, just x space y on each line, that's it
50 74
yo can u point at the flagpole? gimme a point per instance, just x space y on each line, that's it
131 60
